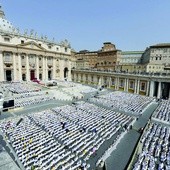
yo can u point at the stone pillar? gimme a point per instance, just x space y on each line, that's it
46 68
147 89
118 83
19 68
61 67
1 67
27 68
37 67
127 84
43 74
159 91
135 86
54 68
102 78
14 67
138 87
151 89
110 82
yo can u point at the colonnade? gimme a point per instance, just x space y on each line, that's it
25 66
149 86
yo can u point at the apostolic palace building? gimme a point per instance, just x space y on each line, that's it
25 57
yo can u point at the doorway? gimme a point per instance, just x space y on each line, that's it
65 73
8 75
32 74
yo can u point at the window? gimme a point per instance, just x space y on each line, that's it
7 57
49 47
57 48
7 39
22 41
156 58
65 49
22 57
39 45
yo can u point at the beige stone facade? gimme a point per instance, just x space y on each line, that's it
157 58
27 57
108 58
86 58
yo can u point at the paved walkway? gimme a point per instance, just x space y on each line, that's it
7 159
121 156
6 162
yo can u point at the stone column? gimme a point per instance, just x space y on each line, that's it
2 78
27 68
61 67
46 69
19 68
54 68
115 82
151 89
43 74
37 67
110 81
135 86
147 89
138 87
118 83
14 67
102 80
125 84
159 91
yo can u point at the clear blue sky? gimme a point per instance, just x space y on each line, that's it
129 24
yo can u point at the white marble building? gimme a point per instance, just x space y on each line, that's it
27 56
